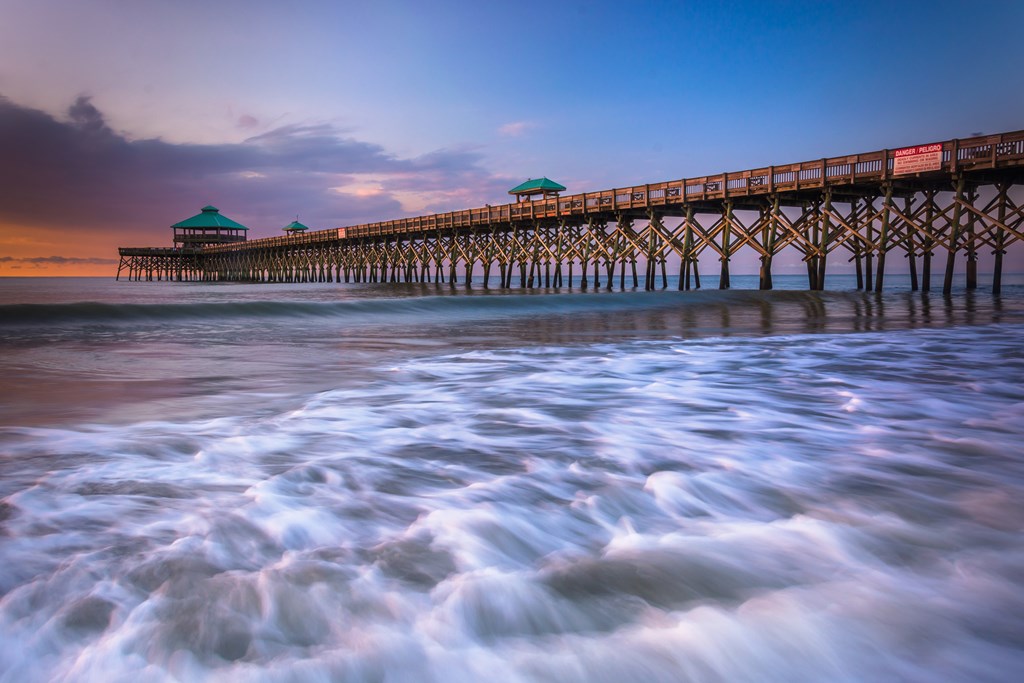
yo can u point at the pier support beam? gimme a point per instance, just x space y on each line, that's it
883 237
954 236
825 239
723 278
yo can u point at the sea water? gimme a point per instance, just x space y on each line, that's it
324 482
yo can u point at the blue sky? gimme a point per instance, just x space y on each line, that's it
345 112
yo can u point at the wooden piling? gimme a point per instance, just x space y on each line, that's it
883 237
954 236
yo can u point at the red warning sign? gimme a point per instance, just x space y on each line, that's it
917 159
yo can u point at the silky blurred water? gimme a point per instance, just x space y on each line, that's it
413 483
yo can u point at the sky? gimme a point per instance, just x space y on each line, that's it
121 117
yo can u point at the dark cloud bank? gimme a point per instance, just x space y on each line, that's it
80 174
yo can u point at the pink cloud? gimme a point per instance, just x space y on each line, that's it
247 122
516 128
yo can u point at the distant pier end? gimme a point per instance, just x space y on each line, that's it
208 227
184 260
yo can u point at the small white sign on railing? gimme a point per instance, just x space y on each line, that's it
918 159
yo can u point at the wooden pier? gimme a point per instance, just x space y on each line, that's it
929 203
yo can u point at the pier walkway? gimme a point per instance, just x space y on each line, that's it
941 199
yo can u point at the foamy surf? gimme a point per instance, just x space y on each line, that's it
799 507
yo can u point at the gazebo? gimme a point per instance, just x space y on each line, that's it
295 228
208 227
545 187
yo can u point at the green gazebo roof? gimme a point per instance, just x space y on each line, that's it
209 218
296 226
537 185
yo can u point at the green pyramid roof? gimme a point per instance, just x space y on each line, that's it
209 218
538 185
297 226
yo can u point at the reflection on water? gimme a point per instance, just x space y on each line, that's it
132 361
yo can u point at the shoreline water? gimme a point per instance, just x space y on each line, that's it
168 352
271 483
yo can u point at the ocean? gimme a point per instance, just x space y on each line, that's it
328 482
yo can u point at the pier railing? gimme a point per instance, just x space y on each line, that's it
958 155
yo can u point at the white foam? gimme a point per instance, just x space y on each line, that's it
562 513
